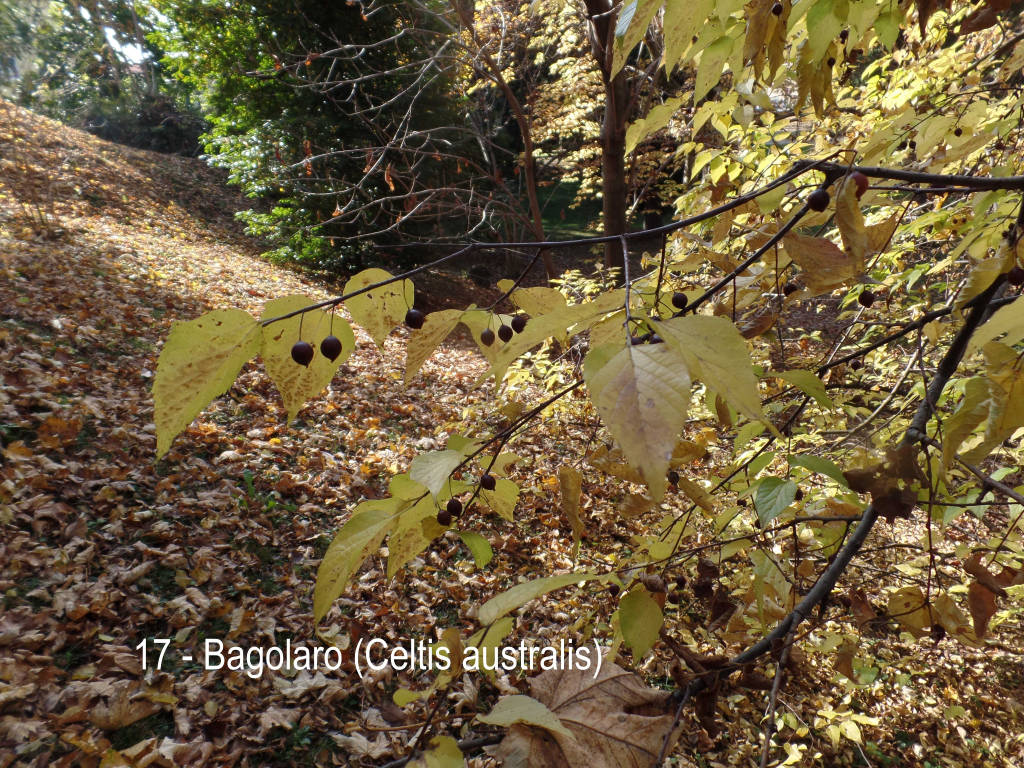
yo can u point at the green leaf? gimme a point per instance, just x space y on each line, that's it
298 383
557 323
478 546
823 25
433 469
773 496
640 618
642 393
356 541
808 383
441 752
199 361
819 465
422 343
524 709
716 353
523 593
381 309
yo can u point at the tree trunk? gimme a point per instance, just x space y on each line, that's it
613 167
603 18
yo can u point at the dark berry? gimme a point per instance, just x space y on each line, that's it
777 9
861 180
505 333
487 481
831 61
1015 276
414 318
487 337
818 200
444 517
331 348
679 300
790 288
634 340
866 298
958 131
453 507
302 353
856 365
843 35
799 494
519 323
673 477
680 581
613 589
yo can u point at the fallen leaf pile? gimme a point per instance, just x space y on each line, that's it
105 551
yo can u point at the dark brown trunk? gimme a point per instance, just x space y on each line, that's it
613 127
613 167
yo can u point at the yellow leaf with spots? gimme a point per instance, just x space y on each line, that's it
199 362
299 383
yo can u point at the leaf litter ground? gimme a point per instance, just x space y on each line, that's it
102 247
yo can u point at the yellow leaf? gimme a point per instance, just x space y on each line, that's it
716 354
199 361
642 393
381 309
850 220
298 383
423 342
824 267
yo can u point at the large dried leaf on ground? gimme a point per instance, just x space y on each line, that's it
299 383
642 393
378 310
616 721
200 361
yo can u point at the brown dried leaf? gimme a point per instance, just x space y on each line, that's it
981 601
982 574
616 720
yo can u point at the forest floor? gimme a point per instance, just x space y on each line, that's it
104 548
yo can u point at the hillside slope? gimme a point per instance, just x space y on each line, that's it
102 248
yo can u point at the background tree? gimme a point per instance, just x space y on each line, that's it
94 66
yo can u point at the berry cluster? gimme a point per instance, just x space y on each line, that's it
505 332
303 352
